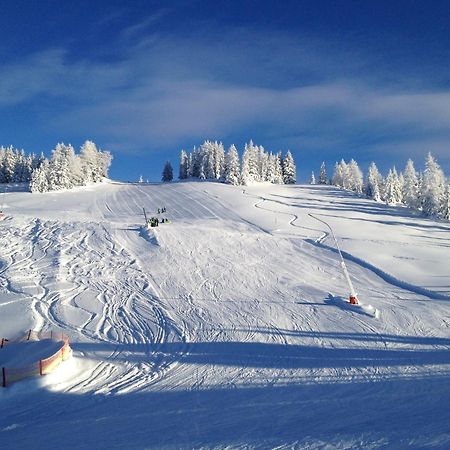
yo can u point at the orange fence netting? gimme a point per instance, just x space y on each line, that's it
42 367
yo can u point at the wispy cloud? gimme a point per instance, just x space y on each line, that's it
165 91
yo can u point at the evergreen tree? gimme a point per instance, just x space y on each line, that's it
184 167
393 191
323 174
2 172
167 174
62 168
88 157
355 177
219 161
250 165
373 183
19 167
289 169
410 186
340 175
263 162
445 207
432 189
9 164
39 178
232 169
313 179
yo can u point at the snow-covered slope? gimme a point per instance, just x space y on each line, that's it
224 328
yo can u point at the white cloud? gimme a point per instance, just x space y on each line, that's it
161 93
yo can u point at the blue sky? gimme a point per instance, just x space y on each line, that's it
368 80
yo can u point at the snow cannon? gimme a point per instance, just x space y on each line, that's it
353 299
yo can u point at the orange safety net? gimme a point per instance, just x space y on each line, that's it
44 366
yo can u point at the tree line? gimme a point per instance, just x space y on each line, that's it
427 191
210 162
64 170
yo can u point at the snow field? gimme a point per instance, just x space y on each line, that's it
222 328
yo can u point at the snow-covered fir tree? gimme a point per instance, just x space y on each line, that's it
355 177
39 178
9 164
373 182
393 190
323 174
289 169
263 163
232 167
432 188
250 164
276 169
445 207
184 166
340 175
167 174
312 180
410 186
141 180
62 168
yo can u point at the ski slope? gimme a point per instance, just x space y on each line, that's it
225 328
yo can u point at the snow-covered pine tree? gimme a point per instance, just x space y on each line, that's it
88 157
277 170
184 167
289 169
445 207
401 182
219 160
167 174
197 162
393 191
432 189
104 160
9 164
336 179
312 179
190 166
232 167
372 189
141 180
208 157
62 168
250 166
341 175
323 174
2 156
39 178
28 167
263 162
19 168
346 181
355 177
410 186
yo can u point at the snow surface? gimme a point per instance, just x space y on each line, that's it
226 328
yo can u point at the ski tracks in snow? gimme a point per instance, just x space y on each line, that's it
77 278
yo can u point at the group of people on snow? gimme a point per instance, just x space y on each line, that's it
155 221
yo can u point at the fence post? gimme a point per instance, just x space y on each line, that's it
40 367
51 334
4 376
3 341
29 334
